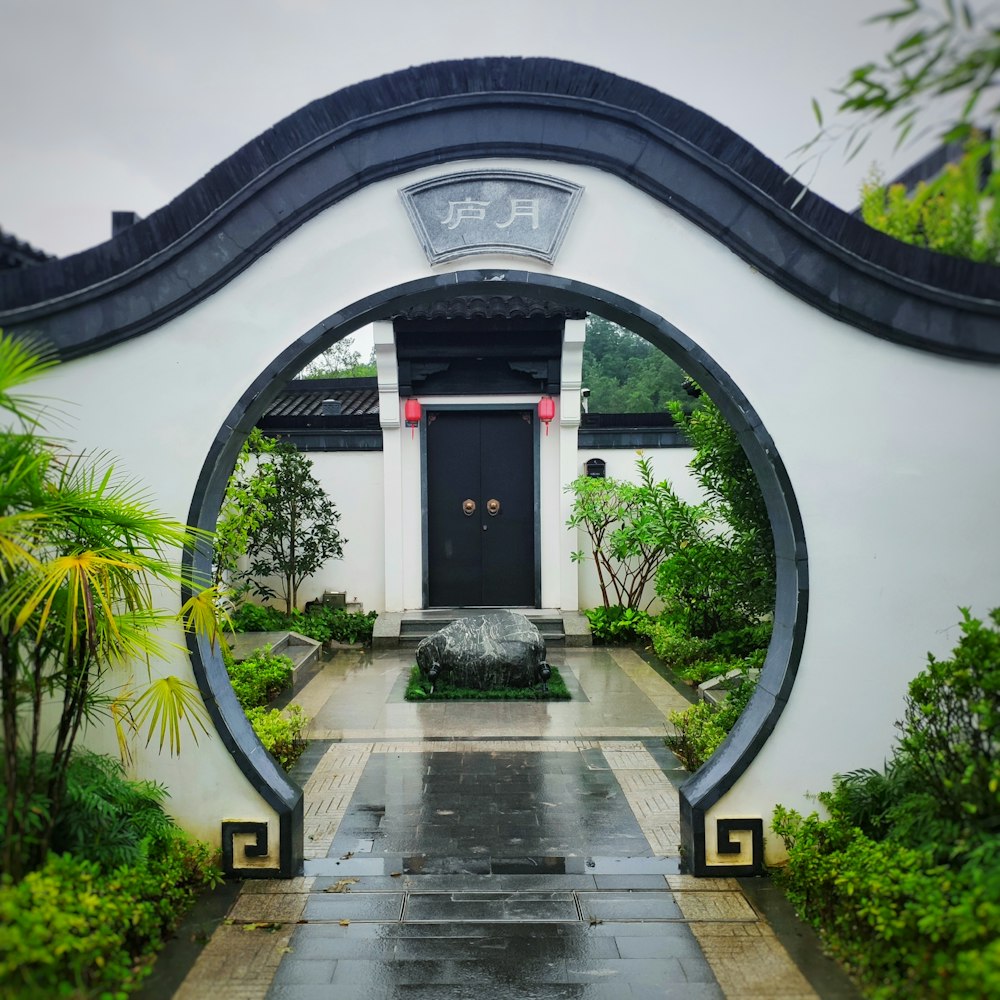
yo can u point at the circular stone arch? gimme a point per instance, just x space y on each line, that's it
707 786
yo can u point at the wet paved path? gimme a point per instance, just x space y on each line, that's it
492 850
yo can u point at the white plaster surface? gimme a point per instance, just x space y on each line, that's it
883 445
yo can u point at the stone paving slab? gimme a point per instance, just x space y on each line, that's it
480 851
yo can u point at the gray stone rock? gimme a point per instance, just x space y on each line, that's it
498 650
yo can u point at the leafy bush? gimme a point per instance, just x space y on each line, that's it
71 929
257 679
107 819
700 729
280 732
616 624
346 626
674 645
951 729
319 622
904 876
258 618
905 924
724 578
955 213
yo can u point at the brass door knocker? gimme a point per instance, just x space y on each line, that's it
493 507
469 507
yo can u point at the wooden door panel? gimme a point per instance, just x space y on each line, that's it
480 559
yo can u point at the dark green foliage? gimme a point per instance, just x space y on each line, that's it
626 374
258 618
280 732
700 729
904 876
71 929
906 925
257 679
107 819
950 734
696 660
725 578
616 624
320 622
297 532
419 689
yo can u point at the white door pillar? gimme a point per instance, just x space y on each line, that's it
392 461
574 335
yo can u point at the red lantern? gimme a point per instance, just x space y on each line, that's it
546 411
412 414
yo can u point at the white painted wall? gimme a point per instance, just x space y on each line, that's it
354 481
899 509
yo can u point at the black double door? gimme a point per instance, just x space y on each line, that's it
480 508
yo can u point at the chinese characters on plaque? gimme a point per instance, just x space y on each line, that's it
491 211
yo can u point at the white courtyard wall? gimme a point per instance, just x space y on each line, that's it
898 509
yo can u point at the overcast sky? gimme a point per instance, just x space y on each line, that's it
122 104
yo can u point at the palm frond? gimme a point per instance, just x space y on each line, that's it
164 705
21 361
203 615
120 710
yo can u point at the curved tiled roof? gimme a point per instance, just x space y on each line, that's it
358 397
536 108
17 253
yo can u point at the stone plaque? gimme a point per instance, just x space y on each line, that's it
491 211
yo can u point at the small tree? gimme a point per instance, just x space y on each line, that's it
243 510
82 553
632 528
726 579
299 532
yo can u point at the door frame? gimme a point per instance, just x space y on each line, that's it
435 407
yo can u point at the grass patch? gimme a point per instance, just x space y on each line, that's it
419 689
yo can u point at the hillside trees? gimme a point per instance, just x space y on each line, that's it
626 374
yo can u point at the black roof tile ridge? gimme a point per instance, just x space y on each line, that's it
489 78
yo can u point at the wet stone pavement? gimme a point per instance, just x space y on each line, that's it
506 874
481 851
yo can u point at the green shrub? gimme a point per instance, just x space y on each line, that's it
257 679
950 734
68 929
697 735
321 622
616 624
903 879
700 729
280 732
673 644
739 643
905 925
106 818
258 618
348 626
